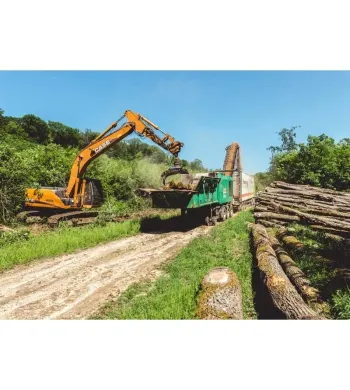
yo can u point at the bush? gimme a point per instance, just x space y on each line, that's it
320 162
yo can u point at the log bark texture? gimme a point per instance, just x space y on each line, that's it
283 294
289 240
264 198
269 224
221 296
308 188
294 273
310 294
313 219
339 232
282 217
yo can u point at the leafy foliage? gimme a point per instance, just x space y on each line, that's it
12 181
64 135
262 180
35 128
320 162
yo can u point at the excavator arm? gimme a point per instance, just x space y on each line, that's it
114 134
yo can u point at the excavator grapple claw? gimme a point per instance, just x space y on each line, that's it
175 170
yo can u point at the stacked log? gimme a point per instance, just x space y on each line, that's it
322 209
283 204
277 271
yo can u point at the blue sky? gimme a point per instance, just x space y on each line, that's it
205 110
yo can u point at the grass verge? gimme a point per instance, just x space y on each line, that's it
66 240
174 295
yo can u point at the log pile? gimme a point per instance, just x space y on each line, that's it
289 289
172 185
322 209
283 204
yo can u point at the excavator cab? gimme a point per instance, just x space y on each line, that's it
93 196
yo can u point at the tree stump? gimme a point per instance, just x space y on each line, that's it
221 296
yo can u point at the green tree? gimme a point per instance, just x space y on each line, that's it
288 143
35 128
88 136
320 162
12 127
2 117
13 182
262 180
196 165
64 135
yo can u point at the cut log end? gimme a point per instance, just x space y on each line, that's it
221 296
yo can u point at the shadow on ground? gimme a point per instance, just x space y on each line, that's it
156 225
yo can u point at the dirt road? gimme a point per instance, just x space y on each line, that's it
74 286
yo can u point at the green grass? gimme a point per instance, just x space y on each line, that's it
174 295
341 304
64 240
15 249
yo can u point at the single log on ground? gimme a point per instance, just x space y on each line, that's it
283 294
313 219
339 232
337 240
221 296
280 222
272 223
282 217
289 240
310 294
269 224
261 208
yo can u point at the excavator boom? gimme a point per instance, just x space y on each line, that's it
72 197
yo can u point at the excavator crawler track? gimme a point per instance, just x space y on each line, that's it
54 220
23 215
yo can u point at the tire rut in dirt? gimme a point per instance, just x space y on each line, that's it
75 285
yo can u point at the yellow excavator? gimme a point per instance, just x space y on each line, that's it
81 193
